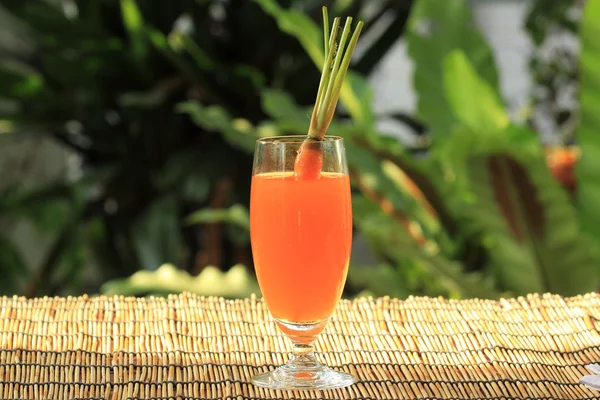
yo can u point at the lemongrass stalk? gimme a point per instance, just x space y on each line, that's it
336 63
325 76
335 67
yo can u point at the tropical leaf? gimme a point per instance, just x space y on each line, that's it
380 280
238 132
161 43
382 181
237 218
535 237
436 28
588 133
481 122
202 59
519 205
298 25
18 81
473 101
134 24
236 214
281 106
235 283
396 244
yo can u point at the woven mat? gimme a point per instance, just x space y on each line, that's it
192 347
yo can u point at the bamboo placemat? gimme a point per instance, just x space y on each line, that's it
193 347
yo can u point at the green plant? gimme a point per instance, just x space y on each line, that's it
159 101
588 191
168 279
475 214
499 218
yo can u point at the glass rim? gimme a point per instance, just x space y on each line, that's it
296 139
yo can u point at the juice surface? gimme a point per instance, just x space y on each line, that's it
301 233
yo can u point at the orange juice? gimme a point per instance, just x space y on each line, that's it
301 232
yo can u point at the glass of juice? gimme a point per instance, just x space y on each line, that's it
301 234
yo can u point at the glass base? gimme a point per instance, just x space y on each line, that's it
303 373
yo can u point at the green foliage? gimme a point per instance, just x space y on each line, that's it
534 235
355 94
435 30
398 246
165 119
167 279
472 100
588 193
379 280
164 96
238 133
237 215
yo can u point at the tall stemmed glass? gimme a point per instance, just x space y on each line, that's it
301 233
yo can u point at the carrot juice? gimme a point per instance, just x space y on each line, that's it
301 233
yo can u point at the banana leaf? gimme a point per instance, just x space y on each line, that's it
435 29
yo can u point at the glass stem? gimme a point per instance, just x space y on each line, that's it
303 360
303 350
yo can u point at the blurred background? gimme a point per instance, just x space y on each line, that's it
127 129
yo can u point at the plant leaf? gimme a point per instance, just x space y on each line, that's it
202 59
436 28
281 105
536 241
238 132
397 245
18 82
161 43
235 283
588 133
375 178
471 98
380 280
298 25
236 214
516 197
134 24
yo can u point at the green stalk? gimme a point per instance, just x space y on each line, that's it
326 73
337 61
339 78
309 160
326 37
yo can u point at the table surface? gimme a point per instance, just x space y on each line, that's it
192 347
